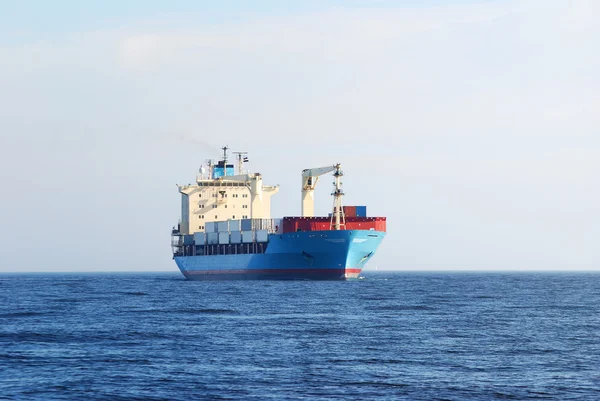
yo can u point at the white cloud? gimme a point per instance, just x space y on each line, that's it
333 34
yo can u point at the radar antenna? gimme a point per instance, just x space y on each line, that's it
241 160
225 149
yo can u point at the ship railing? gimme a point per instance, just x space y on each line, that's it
176 240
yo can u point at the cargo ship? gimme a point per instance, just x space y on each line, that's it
226 231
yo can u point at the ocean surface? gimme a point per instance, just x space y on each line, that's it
389 336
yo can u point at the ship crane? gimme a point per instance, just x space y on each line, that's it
310 176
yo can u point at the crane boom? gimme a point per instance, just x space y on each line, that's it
310 176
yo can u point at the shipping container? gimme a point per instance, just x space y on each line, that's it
350 211
262 224
246 224
188 239
247 237
236 237
294 224
234 225
212 238
361 211
270 225
223 226
199 238
262 236
257 224
223 237
210 227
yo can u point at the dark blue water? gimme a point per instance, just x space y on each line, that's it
389 336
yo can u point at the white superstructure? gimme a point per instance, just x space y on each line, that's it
222 196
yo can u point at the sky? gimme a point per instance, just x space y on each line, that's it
473 126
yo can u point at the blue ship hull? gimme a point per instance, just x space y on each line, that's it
310 255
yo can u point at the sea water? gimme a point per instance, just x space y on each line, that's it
388 336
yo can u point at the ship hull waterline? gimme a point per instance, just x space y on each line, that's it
309 255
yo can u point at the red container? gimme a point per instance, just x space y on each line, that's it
350 211
293 224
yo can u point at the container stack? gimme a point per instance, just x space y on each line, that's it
236 237
212 238
247 237
237 231
223 237
354 211
246 224
235 225
222 226
199 238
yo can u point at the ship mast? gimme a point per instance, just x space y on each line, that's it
211 166
225 149
241 160
338 212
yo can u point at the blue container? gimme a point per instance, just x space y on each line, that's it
199 238
236 237
361 211
212 238
188 240
262 236
211 227
222 226
247 237
234 225
246 225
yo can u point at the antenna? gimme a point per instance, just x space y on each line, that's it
211 166
241 160
225 149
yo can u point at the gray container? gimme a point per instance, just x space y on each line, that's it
262 236
199 238
247 237
223 226
259 224
210 227
264 224
234 225
246 224
223 237
212 238
236 237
